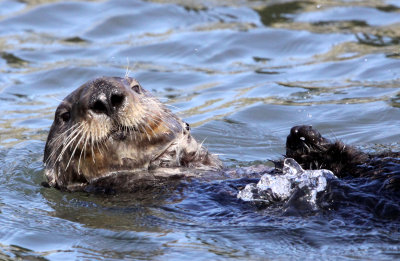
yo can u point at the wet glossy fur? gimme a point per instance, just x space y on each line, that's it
113 125
112 131
312 151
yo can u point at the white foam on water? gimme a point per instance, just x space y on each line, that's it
274 188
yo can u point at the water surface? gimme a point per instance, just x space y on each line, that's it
241 73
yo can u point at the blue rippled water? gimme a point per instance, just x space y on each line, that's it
241 73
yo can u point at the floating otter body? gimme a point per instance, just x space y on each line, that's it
368 185
111 132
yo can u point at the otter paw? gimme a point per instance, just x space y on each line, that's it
304 139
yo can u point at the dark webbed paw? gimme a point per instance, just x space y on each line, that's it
307 146
304 139
312 151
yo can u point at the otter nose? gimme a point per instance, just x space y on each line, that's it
116 100
107 103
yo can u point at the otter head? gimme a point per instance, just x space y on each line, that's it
112 125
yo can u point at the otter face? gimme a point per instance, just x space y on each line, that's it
105 126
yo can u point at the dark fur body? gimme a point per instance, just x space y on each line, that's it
312 151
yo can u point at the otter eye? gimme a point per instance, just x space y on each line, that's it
136 88
65 116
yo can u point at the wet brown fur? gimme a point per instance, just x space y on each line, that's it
112 125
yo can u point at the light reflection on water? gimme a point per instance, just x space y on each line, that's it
242 73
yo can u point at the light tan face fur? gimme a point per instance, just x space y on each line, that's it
110 125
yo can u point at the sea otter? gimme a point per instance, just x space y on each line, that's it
111 132
112 127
